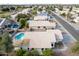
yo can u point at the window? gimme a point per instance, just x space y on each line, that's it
52 44
44 27
28 49
42 48
38 26
52 28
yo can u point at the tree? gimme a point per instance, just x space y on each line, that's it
12 8
22 18
5 9
70 9
19 16
6 43
34 12
51 8
22 22
63 14
48 52
39 9
27 25
27 17
60 8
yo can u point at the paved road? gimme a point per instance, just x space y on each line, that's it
67 26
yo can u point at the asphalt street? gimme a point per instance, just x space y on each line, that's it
67 26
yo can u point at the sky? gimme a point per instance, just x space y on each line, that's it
39 2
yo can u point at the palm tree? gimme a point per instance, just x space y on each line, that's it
22 22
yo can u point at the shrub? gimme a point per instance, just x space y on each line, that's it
48 52
75 48
33 52
5 9
20 52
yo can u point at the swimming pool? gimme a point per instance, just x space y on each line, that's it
19 36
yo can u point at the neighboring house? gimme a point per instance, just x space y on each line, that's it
74 15
66 9
6 6
75 9
76 20
8 24
41 24
57 10
40 39
40 18
24 11
42 21
13 16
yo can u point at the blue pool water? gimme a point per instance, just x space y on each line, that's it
19 36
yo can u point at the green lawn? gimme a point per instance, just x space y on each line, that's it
4 14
